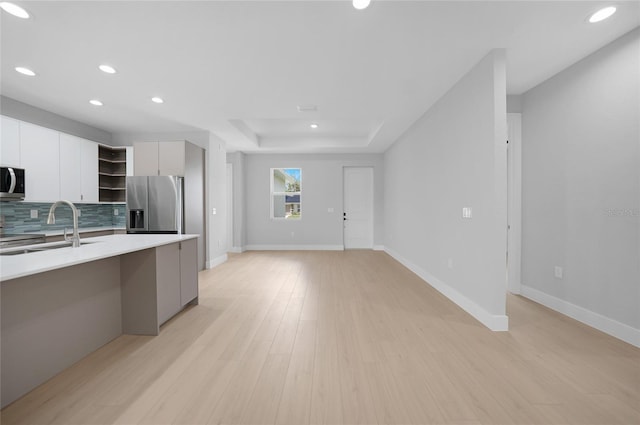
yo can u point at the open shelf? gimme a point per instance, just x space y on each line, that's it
112 172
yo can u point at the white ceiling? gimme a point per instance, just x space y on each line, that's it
240 68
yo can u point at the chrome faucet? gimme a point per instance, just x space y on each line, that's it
75 239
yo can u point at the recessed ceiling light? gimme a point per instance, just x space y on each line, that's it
13 9
314 125
95 102
157 99
108 69
602 14
25 71
361 4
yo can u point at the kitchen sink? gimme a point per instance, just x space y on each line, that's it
36 248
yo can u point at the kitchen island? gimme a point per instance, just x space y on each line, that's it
62 303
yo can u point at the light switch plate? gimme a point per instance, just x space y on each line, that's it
116 211
558 272
79 212
34 213
466 212
215 211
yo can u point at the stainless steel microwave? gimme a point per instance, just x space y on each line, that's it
11 183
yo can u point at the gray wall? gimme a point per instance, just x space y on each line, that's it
217 198
321 189
514 104
21 111
237 160
581 187
455 157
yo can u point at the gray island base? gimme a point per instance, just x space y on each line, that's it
54 318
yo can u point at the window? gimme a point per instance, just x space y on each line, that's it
286 190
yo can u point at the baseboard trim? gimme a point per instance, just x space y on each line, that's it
237 249
492 321
295 247
378 247
602 323
216 261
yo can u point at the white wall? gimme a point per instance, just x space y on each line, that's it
237 159
455 157
581 189
217 190
24 112
321 189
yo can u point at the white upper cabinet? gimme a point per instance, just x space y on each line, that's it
39 154
70 168
159 158
89 167
171 158
78 169
145 158
58 165
10 142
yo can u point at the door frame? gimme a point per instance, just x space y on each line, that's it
514 199
373 212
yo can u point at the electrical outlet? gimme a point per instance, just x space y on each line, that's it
79 212
215 211
329 210
557 272
34 213
116 211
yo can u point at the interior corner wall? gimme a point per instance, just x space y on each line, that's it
322 188
581 190
514 104
454 157
217 191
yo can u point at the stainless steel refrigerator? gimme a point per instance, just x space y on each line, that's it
155 204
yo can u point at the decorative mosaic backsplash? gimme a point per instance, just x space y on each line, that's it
17 216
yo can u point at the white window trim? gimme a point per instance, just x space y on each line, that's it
273 193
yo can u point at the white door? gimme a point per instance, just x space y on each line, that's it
358 207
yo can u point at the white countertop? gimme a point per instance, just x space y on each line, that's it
81 230
14 266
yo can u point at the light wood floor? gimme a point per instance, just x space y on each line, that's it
342 338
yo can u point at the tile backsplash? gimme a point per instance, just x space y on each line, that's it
16 216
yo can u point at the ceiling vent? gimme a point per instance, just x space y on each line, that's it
307 108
